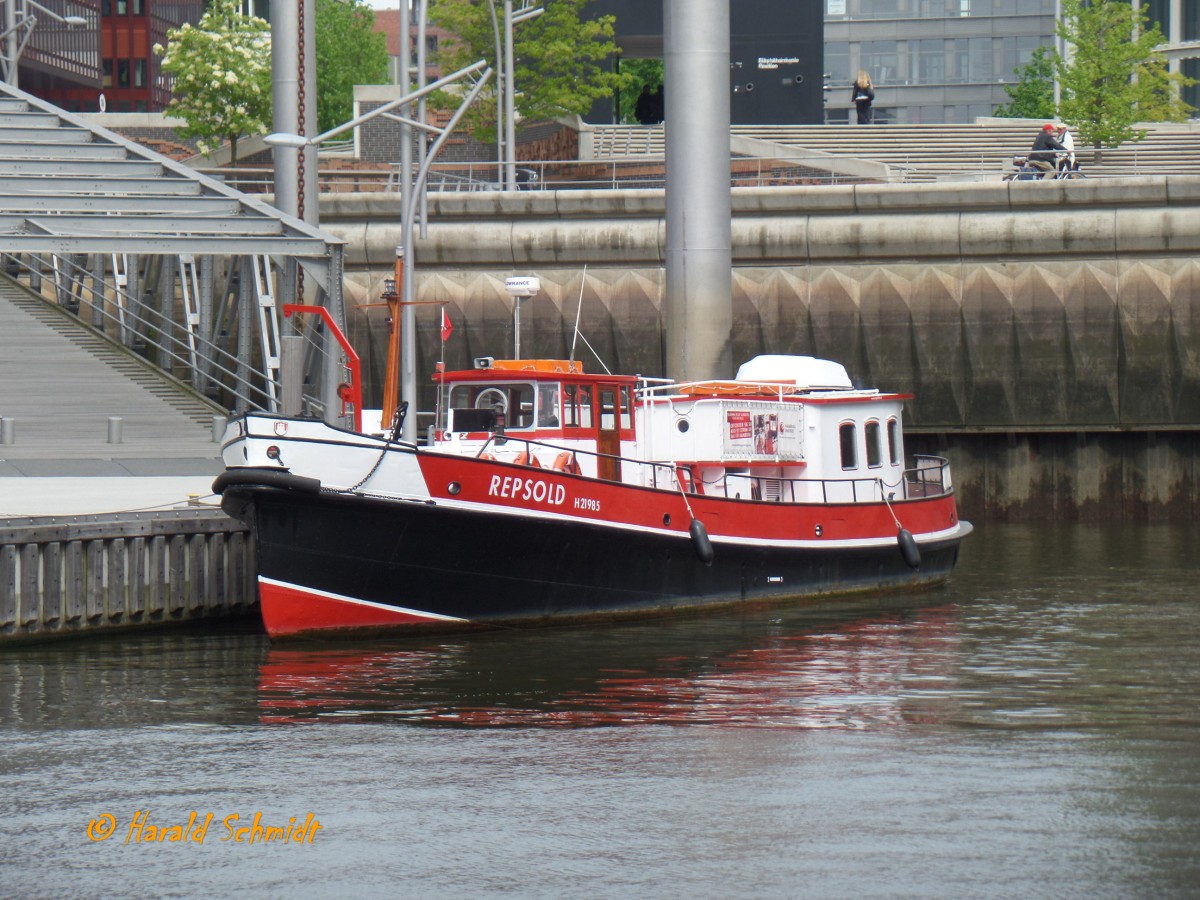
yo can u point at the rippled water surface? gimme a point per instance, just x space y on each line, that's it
1030 730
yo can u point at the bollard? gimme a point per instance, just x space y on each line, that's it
114 429
8 430
218 429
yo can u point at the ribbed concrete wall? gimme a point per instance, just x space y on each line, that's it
1008 305
1006 308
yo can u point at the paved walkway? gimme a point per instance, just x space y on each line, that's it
59 386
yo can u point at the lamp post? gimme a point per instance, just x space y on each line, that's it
20 18
510 129
411 197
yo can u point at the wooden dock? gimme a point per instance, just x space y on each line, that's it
70 575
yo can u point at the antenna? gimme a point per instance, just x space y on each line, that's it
578 310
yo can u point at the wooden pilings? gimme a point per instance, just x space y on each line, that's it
82 574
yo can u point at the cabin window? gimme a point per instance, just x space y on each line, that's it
848 436
893 432
608 409
511 403
548 412
577 406
626 408
874 450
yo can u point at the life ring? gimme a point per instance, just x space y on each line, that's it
565 462
525 458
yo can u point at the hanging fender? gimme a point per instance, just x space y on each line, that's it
908 548
704 548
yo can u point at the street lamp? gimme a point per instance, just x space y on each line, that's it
414 188
510 130
20 18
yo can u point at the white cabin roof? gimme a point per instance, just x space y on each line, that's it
804 371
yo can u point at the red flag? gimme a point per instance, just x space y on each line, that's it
447 326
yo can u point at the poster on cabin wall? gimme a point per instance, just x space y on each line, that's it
760 434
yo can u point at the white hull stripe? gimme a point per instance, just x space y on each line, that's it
357 602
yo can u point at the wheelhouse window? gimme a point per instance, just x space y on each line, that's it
893 437
492 407
626 408
548 414
577 406
848 438
608 409
874 450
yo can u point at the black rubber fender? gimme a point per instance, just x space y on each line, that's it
908 548
275 478
704 547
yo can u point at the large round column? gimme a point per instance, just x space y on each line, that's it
699 303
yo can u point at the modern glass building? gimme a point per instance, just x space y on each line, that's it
948 61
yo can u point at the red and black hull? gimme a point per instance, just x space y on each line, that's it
333 564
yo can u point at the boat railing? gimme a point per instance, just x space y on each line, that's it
929 476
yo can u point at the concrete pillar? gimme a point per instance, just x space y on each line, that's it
699 301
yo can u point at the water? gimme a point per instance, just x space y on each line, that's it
1031 730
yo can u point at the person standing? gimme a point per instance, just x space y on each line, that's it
862 93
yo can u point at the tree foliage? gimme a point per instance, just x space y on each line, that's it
221 69
561 60
1032 97
1112 77
349 51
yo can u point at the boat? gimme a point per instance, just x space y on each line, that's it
544 494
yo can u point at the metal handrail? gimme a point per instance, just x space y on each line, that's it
929 477
222 363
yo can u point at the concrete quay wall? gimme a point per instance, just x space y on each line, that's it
1052 317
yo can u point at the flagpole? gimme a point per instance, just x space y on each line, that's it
445 328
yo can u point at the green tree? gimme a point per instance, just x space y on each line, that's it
349 52
1112 77
561 60
1032 97
221 72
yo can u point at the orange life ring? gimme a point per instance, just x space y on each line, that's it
525 458
565 462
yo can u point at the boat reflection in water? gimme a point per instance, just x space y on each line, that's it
891 669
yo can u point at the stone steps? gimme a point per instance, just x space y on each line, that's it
923 152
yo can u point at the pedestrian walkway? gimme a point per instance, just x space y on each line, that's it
86 427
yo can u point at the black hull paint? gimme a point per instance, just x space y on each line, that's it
503 569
